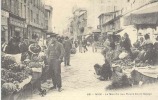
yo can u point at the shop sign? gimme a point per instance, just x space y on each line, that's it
4 13
17 22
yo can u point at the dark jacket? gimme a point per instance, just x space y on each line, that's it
84 43
127 44
23 47
13 46
106 71
55 51
67 45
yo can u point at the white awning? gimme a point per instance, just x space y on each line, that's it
131 31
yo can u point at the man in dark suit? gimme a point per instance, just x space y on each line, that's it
55 55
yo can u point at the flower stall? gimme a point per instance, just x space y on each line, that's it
19 75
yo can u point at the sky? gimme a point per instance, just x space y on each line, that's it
62 11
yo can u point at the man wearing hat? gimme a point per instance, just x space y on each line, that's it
67 46
55 56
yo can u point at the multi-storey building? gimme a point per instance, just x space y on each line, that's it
110 18
17 17
143 17
110 21
15 21
4 19
120 19
79 23
48 18
24 18
82 23
35 19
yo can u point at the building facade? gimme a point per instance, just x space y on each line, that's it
112 17
48 18
24 18
82 23
78 24
14 18
35 19
4 19
110 21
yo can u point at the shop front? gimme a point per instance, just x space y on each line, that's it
17 26
145 20
34 32
4 25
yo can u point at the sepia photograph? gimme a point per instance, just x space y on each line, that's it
79 50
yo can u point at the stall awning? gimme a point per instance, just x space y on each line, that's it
150 18
145 15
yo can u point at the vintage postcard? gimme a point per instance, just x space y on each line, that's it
79 49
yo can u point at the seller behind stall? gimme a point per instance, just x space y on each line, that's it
145 20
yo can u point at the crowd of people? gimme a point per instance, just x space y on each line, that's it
83 45
147 50
57 50
143 47
143 51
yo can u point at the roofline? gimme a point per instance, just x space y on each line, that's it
108 13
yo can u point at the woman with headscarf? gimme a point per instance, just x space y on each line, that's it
34 48
149 49
126 44
104 71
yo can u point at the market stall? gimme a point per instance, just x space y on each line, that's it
127 73
141 67
144 75
15 75
20 77
145 20
130 69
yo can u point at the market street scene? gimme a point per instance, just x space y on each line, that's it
79 49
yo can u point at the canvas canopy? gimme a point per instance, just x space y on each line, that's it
147 15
